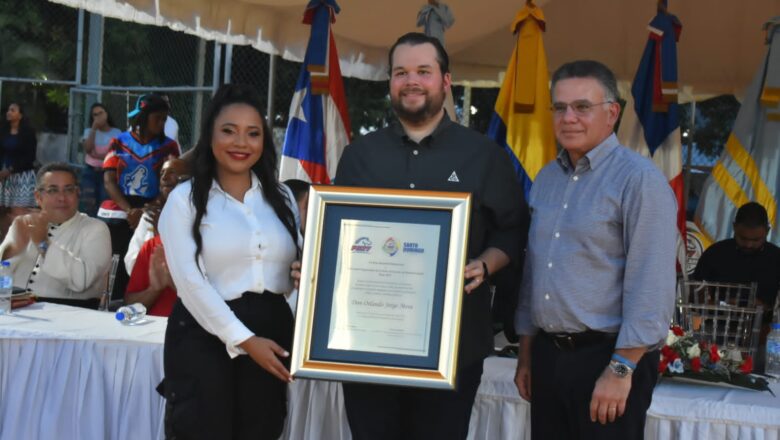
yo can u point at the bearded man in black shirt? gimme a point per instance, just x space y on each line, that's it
425 150
746 258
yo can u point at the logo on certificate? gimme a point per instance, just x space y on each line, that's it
390 247
362 245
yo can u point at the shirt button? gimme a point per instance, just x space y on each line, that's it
557 235
547 296
415 152
259 246
549 265
411 185
575 178
565 205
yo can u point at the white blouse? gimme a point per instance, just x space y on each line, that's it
245 248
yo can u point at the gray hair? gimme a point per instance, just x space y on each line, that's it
589 69
52 167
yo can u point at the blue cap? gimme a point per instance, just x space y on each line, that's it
120 316
148 103
6 263
776 326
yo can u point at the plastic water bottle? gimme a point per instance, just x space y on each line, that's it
773 352
131 314
6 288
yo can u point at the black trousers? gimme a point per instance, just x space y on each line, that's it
562 382
211 396
381 412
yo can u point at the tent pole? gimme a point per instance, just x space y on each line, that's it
269 110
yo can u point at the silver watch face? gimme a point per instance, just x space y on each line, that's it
620 369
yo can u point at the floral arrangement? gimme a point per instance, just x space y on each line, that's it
685 356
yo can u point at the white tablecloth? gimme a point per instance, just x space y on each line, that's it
678 411
70 373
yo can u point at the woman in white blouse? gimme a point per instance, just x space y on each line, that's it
230 234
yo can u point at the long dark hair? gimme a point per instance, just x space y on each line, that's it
109 120
24 123
204 165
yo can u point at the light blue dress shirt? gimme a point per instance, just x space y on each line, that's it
601 248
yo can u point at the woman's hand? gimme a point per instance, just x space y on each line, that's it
266 353
295 273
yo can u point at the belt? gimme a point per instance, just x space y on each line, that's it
573 341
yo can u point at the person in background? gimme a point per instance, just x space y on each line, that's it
131 175
174 170
96 142
747 258
150 281
230 234
58 253
300 190
18 147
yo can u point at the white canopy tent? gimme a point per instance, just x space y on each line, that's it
721 45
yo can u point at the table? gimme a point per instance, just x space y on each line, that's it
72 373
678 410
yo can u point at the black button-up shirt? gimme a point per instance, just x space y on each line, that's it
452 158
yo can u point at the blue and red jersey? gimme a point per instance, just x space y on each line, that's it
138 165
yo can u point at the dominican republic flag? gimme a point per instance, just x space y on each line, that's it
318 128
651 124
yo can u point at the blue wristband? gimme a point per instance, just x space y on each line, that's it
622 360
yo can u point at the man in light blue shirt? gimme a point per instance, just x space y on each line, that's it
599 277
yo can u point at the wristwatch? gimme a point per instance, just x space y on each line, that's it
620 369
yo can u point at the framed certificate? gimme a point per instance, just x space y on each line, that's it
381 286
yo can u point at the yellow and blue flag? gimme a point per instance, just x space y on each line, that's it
749 169
522 120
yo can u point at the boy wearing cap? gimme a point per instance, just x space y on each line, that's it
132 172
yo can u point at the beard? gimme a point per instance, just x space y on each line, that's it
431 106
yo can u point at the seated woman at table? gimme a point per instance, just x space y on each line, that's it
230 234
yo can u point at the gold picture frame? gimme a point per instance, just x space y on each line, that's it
366 311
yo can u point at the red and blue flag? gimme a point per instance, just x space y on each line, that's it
318 128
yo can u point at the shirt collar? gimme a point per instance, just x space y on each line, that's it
398 129
593 157
255 185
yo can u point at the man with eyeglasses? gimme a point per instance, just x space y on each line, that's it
599 279
58 253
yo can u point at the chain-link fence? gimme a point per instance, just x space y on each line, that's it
38 60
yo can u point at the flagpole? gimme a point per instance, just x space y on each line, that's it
269 109
689 156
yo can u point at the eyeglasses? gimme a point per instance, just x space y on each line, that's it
580 108
54 191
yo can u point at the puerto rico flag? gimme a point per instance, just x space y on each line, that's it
650 123
318 128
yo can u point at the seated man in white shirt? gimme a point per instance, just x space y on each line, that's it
58 253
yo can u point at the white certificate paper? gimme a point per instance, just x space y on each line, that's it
383 289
